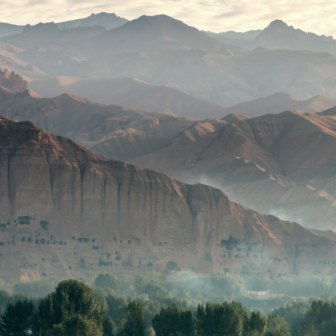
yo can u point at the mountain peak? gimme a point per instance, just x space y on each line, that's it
278 24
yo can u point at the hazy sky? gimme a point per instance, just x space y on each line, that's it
216 15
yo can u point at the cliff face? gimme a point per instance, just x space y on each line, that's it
64 211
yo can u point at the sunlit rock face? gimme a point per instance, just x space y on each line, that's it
67 212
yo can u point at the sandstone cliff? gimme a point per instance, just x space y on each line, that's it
64 211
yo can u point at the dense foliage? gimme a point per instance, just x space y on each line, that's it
181 304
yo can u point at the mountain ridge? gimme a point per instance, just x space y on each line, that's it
132 93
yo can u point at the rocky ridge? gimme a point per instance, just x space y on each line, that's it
278 35
12 81
84 121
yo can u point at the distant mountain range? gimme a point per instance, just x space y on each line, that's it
106 20
132 93
279 102
241 40
50 33
136 94
84 121
155 32
278 35
160 50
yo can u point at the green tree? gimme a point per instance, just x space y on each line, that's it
218 320
292 313
319 317
108 326
71 298
116 307
255 325
78 325
277 326
173 321
135 323
20 318
107 281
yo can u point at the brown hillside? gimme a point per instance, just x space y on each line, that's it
281 164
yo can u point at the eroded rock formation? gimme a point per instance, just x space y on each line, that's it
65 211
12 81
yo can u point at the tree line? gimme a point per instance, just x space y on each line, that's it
74 309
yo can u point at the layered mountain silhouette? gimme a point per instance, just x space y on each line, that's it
9 29
279 102
132 93
241 40
85 121
160 50
83 213
261 73
106 20
152 32
51 33
278 35
136 94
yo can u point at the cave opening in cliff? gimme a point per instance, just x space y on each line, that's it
81 264
44 225
245 271
171 266
229 244
24 220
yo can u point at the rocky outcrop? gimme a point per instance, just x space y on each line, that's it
66 212
107 20
278 35
12 81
